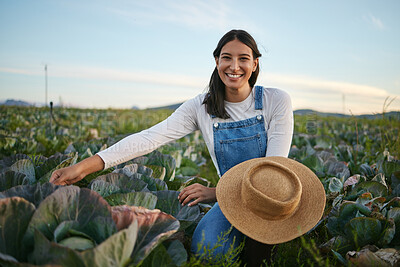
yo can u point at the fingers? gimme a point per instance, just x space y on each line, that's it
58 180
195 196
63 181
186 196
59 177
195 202
54 176
192 192
187 191
65 176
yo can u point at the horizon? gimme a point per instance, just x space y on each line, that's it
41 105
340 57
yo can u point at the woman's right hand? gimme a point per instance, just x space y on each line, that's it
74 173
66 176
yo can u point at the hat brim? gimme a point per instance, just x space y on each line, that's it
307 215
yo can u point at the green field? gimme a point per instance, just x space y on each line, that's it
357 160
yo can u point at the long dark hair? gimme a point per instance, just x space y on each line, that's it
214 100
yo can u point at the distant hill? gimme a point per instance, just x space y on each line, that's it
12 102
322 114
391 114
172 107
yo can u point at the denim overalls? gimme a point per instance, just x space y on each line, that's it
234 142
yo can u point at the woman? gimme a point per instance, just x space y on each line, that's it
238 121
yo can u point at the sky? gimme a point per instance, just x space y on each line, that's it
331 56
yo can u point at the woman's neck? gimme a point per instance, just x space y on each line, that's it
237 95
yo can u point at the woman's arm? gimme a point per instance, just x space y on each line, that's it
182 122
280 129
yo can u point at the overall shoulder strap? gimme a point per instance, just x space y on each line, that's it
258 97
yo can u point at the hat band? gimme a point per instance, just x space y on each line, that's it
265 206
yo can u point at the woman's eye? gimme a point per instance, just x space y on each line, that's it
225 57
244 59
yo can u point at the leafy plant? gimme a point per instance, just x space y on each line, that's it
74 226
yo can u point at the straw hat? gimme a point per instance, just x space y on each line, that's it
271 200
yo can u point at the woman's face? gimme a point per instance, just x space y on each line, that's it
235 65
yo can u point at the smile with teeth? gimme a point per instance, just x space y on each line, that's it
234 75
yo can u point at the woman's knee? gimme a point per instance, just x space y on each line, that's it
215 234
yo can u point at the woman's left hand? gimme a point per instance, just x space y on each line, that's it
199 193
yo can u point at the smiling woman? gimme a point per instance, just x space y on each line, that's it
238 120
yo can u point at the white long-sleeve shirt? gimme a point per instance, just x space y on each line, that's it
192 115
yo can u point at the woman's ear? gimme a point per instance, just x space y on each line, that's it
216 61
255 64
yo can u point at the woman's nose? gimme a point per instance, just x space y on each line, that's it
234 65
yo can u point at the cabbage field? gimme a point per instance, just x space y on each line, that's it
129 215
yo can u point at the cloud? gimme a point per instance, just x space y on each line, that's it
20 71
204 14
96 73
319 86
201 14
376 22
326 95
156 78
